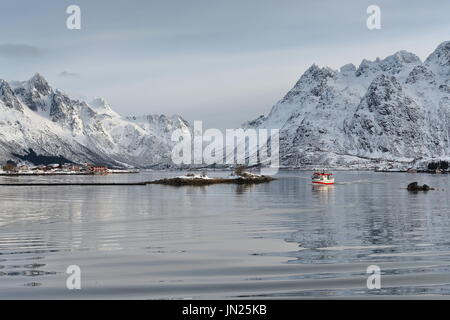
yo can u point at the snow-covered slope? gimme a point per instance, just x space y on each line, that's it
34 116
393 109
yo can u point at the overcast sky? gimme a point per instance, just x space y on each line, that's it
220 61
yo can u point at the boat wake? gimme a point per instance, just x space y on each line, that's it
355 182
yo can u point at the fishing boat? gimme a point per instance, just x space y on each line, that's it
322 178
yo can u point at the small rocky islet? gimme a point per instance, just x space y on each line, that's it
191 179
414 187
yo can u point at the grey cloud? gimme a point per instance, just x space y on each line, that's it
19 51
67 74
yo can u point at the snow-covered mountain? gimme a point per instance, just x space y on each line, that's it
35 116
394 109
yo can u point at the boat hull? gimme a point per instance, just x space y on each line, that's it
322 182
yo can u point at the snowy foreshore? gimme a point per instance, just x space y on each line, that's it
62 173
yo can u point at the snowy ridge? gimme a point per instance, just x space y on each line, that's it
395 109
35 116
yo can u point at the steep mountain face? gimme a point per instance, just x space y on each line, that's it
394 109
34 116
374 129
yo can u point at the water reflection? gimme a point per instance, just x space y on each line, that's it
242 188
325 193
285 238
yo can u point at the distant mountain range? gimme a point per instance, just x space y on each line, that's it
38 124
395 109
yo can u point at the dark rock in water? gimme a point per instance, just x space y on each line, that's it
414 186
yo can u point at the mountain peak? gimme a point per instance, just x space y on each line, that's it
366 66
7 96
37 77
100 103
348 68
404 57
38 82
393 64
315 73
440 56
443 47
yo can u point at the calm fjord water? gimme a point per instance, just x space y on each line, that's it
284 239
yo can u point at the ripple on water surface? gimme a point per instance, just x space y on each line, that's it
281 239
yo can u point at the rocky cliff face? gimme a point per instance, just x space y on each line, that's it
394 109
35 116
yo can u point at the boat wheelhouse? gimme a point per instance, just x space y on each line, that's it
322 178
